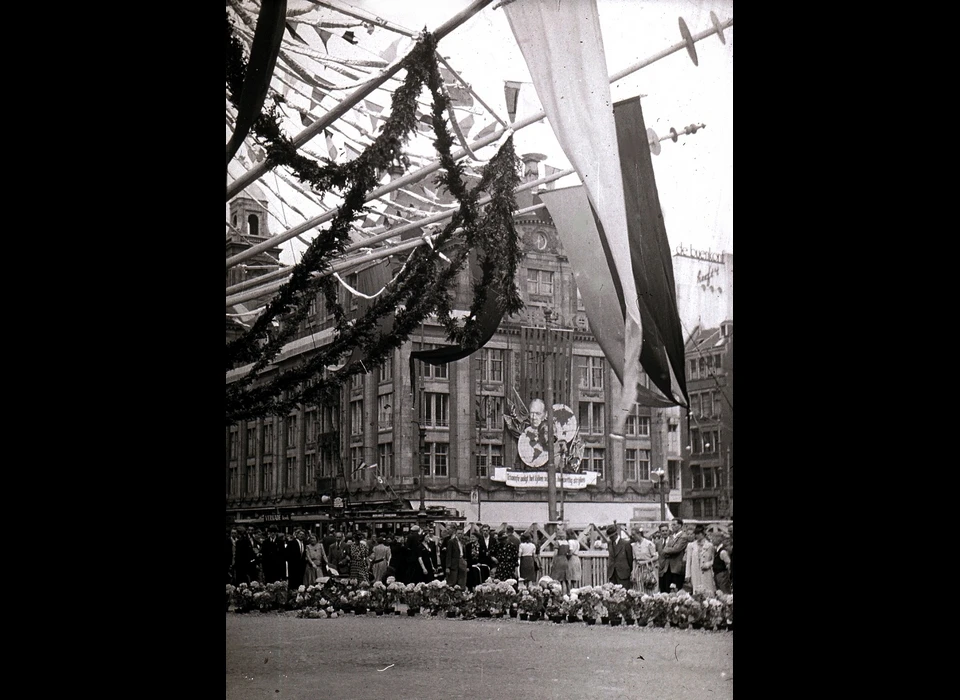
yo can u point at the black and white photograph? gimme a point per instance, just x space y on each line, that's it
479 337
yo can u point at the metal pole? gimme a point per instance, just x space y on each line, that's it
551 466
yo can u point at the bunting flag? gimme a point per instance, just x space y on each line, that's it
562 46
487 130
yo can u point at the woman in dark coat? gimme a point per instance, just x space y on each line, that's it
507 555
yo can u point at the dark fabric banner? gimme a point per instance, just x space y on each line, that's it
662 354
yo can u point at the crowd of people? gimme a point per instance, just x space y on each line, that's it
674 557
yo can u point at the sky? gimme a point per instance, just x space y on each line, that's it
694 176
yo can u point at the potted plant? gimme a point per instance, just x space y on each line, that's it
658 609
395 591
592 604
615 601
552 601
413 597
570 607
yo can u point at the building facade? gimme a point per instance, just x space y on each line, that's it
708 432
295 468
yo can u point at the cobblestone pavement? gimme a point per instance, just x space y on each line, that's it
425 658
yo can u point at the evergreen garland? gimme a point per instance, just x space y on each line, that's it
420 289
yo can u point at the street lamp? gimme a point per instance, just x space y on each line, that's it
663 504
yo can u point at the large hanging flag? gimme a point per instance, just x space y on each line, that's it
563 49
662 357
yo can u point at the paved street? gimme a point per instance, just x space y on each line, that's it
426 658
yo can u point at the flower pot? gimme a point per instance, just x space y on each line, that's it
359 611
572 618
659 623
615 621
641 623
604 620
629 621
498 614
556 618
483 613
451 613
413 611
396 612
697 625
524 617
513 613
590 620
379 613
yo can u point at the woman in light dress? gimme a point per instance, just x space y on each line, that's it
644 560
699 563
316 561
574 566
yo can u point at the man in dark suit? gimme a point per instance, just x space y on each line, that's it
619 557
245 561
455 564
273 557
671 557
296 552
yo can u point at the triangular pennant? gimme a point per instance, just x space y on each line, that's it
324 37
487 130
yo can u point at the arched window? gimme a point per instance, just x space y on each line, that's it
253 225
234 220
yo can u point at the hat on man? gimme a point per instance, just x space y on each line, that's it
611 529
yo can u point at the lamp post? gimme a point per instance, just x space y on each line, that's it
663 503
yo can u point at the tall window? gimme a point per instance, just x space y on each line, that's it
385 411
234 484
438 453
709 507
593 458
591 372
580 306
673 437
386 370
253 224
268 437
696 444
430 371
291 473
356 417
695 407
591 418
330 419
694 374
708 477
251 439
697 508
385 461
356 381
291 430
356 459
488 457
310 468
643 464
539 282
311 426
234 443
491 412
251 485
697 476
673 473
436 408
630 465
326 462
268 477
491 365
638 425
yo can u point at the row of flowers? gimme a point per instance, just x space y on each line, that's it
333 597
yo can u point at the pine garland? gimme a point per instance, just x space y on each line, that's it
423 286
